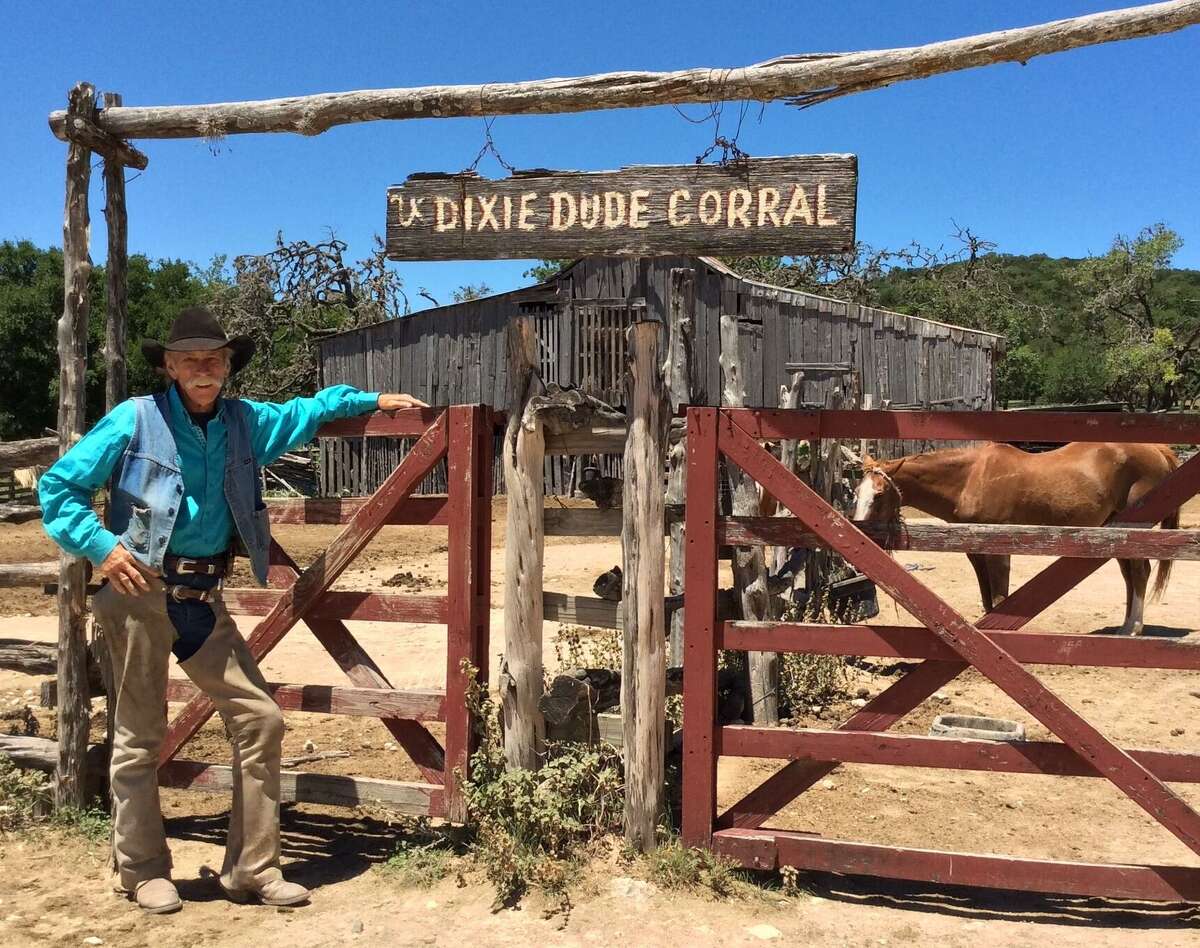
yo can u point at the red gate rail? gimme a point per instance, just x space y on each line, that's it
463 435
946 641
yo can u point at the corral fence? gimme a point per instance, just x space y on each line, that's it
945 642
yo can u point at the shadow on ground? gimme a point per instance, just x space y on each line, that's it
318 849
998 905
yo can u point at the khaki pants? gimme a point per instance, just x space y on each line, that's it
139 636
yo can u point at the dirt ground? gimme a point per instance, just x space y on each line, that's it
55 889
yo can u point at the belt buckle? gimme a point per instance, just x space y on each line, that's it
174 592
195 566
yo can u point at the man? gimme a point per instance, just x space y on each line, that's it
182 468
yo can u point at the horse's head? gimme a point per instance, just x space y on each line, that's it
877 499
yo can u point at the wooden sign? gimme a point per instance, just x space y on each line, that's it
803 204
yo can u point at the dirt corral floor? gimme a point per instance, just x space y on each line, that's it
57 894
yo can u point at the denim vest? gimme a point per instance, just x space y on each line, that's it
147 486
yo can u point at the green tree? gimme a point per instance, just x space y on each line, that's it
1149 328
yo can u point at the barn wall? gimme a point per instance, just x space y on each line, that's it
456 354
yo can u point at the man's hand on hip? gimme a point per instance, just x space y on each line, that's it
396 401
125 572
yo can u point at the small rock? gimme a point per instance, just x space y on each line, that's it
431 903
12 918
356 927
827 784
942 697
1194 694
859 702
1014 804
93 940
765 932
623 887
389 746
1177 732
862 693
309 747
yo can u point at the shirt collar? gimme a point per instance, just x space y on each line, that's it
179 411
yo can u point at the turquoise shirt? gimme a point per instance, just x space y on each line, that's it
204 526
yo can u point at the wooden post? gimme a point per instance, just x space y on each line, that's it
116 275
74 714
679 386
524 452
643 667
789 397
749 565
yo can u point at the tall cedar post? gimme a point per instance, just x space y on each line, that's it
749 565
116 274
524 452
116 386
679 386
643 666
74 711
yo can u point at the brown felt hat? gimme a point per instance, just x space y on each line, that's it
196 329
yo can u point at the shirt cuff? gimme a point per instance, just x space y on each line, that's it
98 548
366 401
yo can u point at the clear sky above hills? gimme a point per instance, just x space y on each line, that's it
1054 157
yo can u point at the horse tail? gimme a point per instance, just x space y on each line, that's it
1163 576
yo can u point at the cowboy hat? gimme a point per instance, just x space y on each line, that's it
196 329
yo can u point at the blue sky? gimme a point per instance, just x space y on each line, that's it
1056 156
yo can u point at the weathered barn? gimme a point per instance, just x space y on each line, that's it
456 354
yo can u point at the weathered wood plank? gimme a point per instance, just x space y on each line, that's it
414 799
763 849
346 605
772 424
901 641
416 511
701 627
795 204
28 574
1086 542
915 750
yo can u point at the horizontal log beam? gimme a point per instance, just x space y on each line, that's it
76 128
900 641
342 604
19 513
598 440
914 750
593 522
414 705
414 799
1080 542
774 424
28 574
805 79
29 453
416 511
768 849
581 610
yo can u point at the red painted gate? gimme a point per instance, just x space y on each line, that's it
463 436
946 641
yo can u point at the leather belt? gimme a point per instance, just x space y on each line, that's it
199 565
180 593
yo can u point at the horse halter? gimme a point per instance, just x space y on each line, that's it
889 479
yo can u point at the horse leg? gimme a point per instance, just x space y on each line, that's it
1127 573
980 563
1140 576
998 576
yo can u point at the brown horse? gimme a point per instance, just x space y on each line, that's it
1079 485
